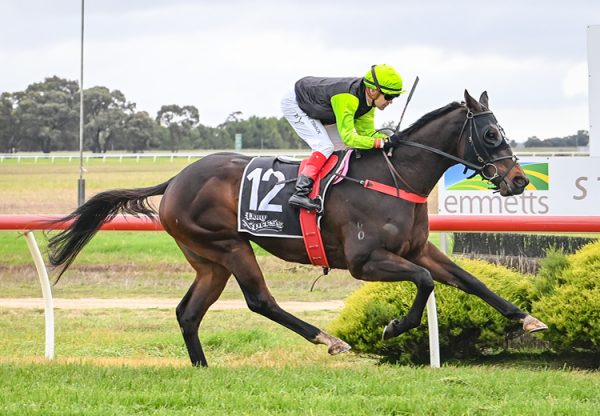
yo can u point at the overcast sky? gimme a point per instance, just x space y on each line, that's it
225 56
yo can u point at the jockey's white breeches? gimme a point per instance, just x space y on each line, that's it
324 139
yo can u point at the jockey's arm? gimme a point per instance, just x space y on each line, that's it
353 134
365 125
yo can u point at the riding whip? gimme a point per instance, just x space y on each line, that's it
410 94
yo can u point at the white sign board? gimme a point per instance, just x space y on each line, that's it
558 186
593 56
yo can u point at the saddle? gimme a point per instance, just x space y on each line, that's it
268 183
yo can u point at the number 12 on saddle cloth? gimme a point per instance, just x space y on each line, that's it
267 184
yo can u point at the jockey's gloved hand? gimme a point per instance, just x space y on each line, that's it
392 143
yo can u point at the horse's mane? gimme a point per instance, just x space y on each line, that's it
430 117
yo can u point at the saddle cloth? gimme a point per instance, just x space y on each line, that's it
267 184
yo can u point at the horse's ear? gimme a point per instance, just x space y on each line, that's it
472 104
484 100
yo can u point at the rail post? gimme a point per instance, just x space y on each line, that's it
432 321
433 331
46 292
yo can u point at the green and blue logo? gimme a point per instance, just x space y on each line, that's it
456 180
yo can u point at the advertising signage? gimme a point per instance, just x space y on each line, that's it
558 186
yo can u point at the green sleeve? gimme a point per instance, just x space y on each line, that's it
344 107
365 125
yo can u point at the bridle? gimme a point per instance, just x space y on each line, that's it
477 156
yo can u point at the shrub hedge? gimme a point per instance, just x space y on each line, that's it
467 325
551 270
571 307
565 294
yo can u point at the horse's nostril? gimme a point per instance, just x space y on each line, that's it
521 181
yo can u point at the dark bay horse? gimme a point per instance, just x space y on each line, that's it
376 237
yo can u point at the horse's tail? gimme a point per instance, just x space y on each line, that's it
89 217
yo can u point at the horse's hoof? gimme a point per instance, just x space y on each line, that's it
338 347
390 331
531 325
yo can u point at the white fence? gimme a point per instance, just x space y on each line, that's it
74 157
295 153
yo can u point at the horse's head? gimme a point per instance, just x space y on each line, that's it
486 147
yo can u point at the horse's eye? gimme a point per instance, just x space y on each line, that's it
491 135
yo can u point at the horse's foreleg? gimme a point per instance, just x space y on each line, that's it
446 271
384 266
259 300
206 289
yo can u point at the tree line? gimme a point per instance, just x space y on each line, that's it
581 139
45 117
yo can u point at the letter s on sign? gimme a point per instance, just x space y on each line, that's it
581 187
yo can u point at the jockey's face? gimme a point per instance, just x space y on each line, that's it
381 102
378 98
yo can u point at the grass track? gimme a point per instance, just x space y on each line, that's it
134 362
93 390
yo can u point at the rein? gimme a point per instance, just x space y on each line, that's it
442 153
395 174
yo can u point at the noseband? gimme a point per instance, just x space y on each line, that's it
478 149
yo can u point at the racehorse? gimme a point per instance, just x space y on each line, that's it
376 237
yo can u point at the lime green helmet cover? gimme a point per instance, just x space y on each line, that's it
384 78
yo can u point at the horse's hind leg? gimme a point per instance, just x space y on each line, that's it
259 299
210 281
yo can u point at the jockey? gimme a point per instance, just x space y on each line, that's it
336 113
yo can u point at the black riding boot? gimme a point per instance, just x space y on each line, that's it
300 198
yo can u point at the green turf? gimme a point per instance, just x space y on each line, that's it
113 362
307 390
